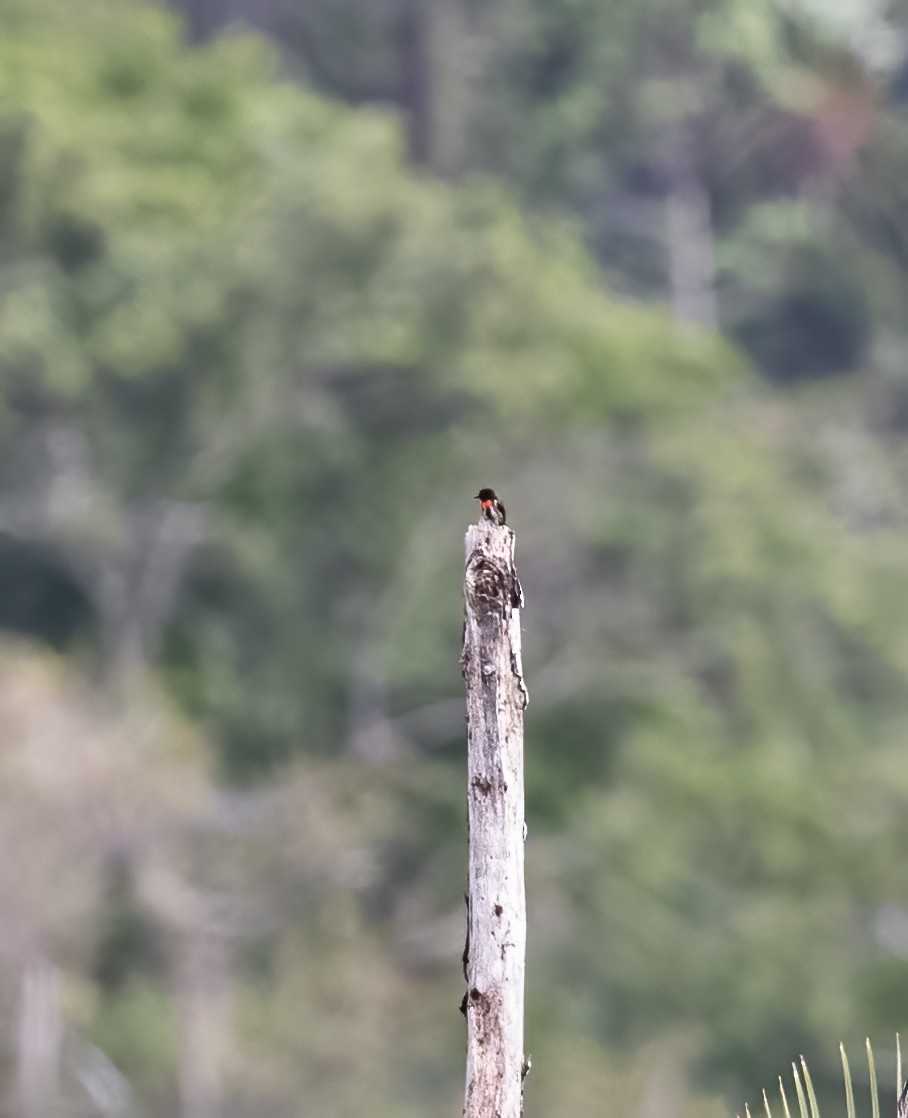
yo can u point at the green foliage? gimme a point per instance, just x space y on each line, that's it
136 1029
808 1106
252 367
238 295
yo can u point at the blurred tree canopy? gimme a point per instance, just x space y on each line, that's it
253 363
673 134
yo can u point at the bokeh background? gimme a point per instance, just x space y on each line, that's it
282 284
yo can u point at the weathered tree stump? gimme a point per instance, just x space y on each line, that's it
495 954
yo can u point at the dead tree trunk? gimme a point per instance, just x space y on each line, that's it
494 957
40 1038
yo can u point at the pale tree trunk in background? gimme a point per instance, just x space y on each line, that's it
40 1035
204 1022
461 48
664 1085
416 80
494 958
690 240
444 49
136 588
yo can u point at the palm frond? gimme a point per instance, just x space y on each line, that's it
808 1107
849 1089
874 1094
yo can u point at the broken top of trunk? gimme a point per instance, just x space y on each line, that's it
494 958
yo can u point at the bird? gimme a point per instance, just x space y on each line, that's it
492 509
491 506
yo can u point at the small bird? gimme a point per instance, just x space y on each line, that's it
492 508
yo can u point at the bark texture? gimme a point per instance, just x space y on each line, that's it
494 957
